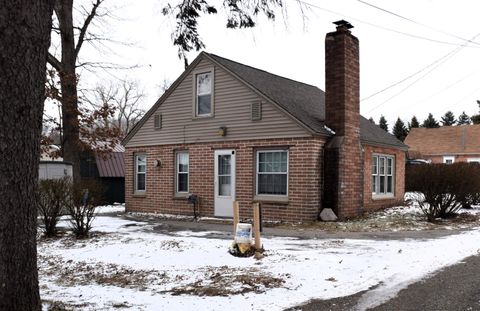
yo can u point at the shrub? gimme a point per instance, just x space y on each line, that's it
442 189
53 195
83 198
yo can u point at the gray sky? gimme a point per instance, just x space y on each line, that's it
426 37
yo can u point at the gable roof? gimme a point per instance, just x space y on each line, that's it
302 102
445 140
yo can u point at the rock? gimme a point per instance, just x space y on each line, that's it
327 214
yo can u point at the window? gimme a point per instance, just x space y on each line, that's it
272 172
473 160
182 172
140 172
203 94
448 159
382 175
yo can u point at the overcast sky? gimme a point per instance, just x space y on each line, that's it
426 40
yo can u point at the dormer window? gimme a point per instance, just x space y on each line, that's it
203 94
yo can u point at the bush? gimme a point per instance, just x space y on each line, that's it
442 189
53 195
83 199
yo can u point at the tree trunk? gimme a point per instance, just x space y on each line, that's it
25 38
72 146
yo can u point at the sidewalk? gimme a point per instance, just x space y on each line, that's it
223 229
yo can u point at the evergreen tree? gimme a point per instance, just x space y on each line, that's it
371 120
463 119
383 123
476 118
430 122
400 130
448 119
413 123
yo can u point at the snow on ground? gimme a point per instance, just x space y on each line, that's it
107 209
126 264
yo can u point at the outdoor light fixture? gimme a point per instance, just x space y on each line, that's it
222 131
157 163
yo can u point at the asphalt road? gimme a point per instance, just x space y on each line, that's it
455 288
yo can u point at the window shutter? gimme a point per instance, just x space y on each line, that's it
157 121
256 111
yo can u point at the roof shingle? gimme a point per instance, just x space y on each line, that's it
304 102
445 140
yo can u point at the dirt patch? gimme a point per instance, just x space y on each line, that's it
68 240
69 273
52 305
172 245
225 281
401 218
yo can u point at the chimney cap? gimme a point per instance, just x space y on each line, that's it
343 23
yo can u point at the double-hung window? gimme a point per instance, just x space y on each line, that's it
140 172
272 172
182 163
203 98
383 167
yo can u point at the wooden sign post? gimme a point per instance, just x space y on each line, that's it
236 216
256 225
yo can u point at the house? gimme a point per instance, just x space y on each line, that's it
108 170
226 131
446 144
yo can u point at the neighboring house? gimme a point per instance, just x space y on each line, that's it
446 144
227 131
108 170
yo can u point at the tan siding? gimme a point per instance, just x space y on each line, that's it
232 100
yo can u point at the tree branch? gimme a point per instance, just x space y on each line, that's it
54 62
84 28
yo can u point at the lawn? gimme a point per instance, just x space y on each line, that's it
127 265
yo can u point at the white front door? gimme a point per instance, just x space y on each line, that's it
224 182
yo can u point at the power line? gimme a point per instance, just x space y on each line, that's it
379 26
449 86
408 77
415 22
439 62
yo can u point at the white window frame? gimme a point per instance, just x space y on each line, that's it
473 160
257 172
140 173
377 158
446 159
177 172
196 74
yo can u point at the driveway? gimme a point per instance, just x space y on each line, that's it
453 288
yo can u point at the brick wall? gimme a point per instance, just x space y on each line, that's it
371 203
305 172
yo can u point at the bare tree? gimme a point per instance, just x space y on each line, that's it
72 39
125 97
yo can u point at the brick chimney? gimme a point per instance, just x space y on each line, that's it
343 153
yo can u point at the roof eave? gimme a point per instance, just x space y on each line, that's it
384 145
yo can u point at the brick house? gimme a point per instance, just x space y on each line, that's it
446 144
226 131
